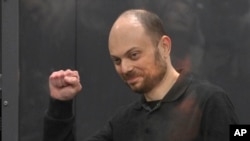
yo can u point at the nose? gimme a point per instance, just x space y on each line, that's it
126 66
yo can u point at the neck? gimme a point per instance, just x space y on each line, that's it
163 87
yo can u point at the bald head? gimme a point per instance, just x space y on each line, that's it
150 22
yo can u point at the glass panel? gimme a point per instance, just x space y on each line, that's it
47 43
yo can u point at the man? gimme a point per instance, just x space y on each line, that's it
174 105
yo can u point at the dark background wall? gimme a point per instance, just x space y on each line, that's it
210 37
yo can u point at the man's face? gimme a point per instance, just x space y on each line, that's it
136 58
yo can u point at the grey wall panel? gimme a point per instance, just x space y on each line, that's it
10 67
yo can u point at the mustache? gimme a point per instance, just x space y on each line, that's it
130 74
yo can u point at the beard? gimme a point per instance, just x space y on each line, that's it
151 79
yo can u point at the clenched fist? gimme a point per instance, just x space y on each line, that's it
64 84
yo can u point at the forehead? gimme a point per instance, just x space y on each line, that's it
126 26
127 33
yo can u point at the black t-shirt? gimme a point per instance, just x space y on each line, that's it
193 110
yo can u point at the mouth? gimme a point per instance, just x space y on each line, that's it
132 80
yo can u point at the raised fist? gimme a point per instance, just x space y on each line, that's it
64 84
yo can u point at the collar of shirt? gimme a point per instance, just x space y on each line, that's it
174 93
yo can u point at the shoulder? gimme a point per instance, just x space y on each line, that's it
208 94
211 97
194 85
205 93
205 88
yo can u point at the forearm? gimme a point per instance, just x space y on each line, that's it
59 121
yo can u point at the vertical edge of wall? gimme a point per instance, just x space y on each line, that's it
10 69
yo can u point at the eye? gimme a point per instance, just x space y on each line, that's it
116 61
134 55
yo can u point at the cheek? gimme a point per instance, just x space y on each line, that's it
147 66
149 69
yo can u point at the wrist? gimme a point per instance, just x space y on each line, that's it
60 109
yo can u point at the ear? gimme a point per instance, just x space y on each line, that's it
165 45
